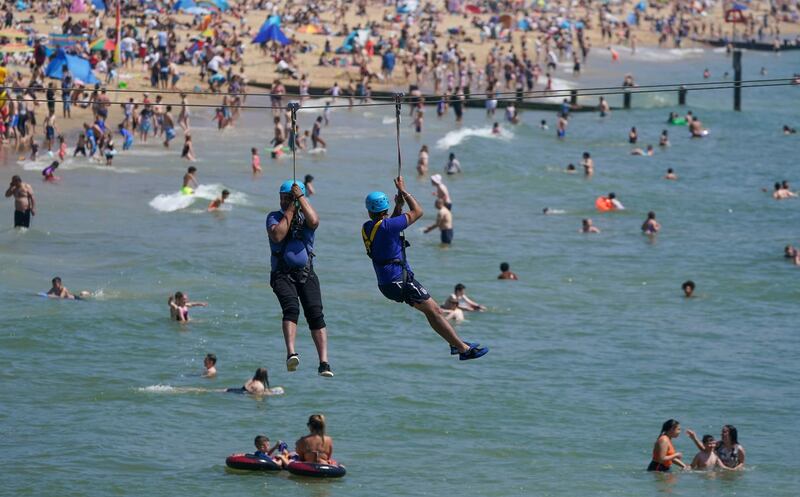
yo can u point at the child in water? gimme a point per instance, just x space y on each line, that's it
255 161
706 458
265 452
62 148
217 202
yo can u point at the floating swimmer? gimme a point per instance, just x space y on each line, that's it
189 181
59 291
257 385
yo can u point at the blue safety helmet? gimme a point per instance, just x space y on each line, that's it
377 202
286 187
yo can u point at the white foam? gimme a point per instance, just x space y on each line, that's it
157 389
663 54
70 163
388 120
170 202
456 137
316 151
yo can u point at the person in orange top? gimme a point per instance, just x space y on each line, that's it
664 454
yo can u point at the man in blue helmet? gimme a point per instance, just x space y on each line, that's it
386 247
292 277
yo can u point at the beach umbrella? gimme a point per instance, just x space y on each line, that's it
473 9
15 48
208 33
310 29
102 44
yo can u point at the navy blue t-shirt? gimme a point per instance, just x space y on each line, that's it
387 246
295 255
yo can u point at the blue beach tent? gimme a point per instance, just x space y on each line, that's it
271 32
99 4
80 68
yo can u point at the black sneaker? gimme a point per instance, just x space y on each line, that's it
325 370
292 362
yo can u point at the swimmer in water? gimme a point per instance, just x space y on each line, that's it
696 128
255 161
496 128
792 253
543 124
459 300
506 273
188 149
441 191
316 447
179 307
257 385
671 174
788 131
707 457
650 225
59 291
588 164
638 151
782 191
210 366
453 166
561 130
571 169
189 181
588 227
263 450
633 135
605 109
663 140
422 160
217 202
688 288
308 181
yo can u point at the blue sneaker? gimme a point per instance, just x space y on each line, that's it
473 353
454 351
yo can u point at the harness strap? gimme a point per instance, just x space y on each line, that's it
371 238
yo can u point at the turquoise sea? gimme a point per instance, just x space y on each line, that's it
591 350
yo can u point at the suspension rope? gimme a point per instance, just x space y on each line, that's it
397 105
293 106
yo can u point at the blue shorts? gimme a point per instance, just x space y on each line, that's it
50 132
170 132
447 236
412 292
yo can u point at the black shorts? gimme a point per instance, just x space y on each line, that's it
414 292
290 289
447 236
22 219
655 466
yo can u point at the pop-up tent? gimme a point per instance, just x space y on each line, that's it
271 32
99 4
80 68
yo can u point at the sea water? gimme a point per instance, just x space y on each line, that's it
591 350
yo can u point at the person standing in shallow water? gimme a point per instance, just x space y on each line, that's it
664 454
24 203
292 277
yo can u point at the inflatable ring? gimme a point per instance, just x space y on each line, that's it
316 470
679 121
604 204
251 462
